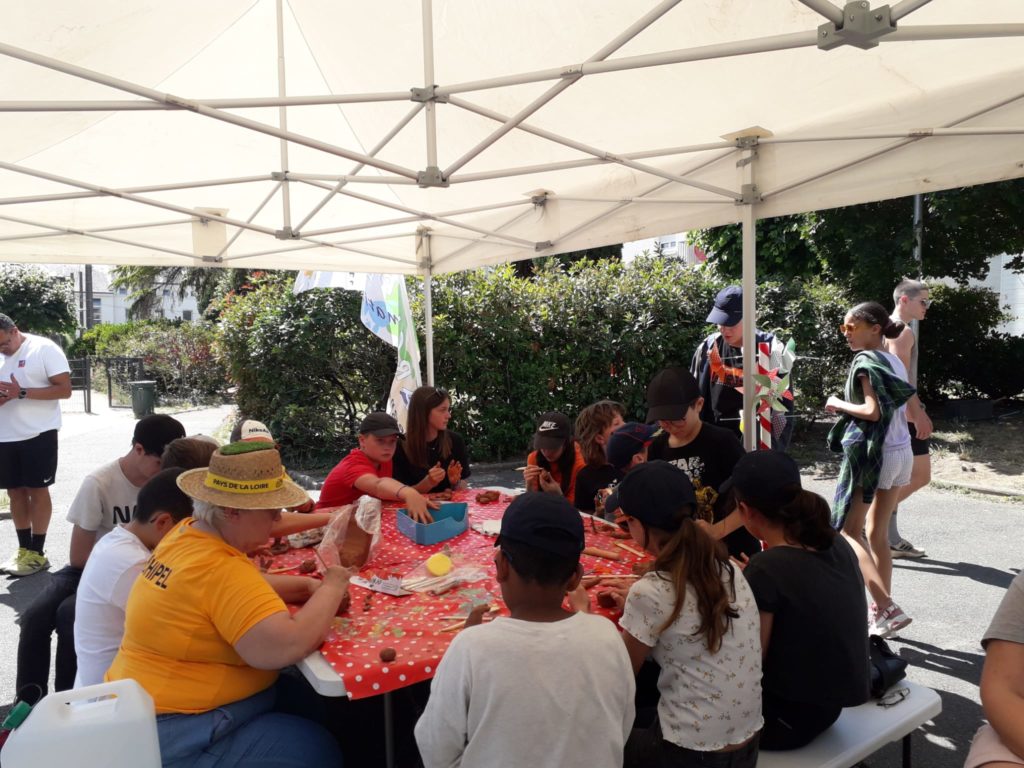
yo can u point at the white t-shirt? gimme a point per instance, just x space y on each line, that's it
106 499
708 701
109 574
898 435
523 693
36 360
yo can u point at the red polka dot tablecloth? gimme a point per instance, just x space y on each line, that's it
414 626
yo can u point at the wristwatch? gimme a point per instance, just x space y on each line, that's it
22 394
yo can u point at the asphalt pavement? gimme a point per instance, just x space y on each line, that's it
973 544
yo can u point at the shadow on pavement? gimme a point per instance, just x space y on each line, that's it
959 664
983 574
22 591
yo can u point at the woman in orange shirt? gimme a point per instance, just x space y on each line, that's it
553 466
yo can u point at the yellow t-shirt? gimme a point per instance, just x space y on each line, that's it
196 597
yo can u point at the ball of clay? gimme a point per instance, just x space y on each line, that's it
307 566
439 564
606 599
388 654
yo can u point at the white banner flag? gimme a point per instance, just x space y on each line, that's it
308 279
387 314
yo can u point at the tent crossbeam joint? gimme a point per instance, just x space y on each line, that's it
861 27
749 194
431 176
287 233
427 94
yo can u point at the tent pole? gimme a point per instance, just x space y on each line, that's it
749 221
903 7
826 9
151 188
238 232
196 107
282 122
428 302
562 83
120 241
428 83
408 219
122 105
96 230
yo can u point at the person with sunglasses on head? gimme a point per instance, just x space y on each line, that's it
873 437
912 300
430 457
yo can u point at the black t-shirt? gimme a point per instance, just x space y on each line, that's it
589 481
818 650
404 471
708 460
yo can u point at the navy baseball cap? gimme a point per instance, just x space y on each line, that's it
670 394
627 441
545 521
728 309
655 492
765 479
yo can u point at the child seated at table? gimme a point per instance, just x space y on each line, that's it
545 686
695 615
627 448
594 426
556 459
367 470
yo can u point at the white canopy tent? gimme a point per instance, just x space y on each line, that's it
436 136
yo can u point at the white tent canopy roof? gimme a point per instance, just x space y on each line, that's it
148 132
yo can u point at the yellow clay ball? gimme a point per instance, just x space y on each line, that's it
439 564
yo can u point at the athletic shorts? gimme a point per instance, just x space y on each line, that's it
919 447
988 748
29 463
897 465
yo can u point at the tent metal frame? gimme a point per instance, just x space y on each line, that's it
856 24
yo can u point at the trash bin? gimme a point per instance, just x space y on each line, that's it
143 397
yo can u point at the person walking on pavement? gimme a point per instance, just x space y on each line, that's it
912 302
718 367
34 377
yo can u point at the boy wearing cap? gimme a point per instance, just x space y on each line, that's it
705 452
627 448
575 708
106 499
367 470
114 564
718 367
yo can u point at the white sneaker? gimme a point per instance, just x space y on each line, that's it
29 562
890 621
904 548
12 562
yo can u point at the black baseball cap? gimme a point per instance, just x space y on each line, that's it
545 521
655 492
728 309
670 394
765 479
627 441
379 425
553 429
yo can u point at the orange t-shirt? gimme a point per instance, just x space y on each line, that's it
196 597
556 474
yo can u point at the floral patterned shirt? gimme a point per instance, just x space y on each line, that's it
708 701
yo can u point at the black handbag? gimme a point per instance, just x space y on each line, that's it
887 668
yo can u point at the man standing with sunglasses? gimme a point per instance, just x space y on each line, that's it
912 301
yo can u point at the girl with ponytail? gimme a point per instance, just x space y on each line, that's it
810 595
695 615
873 436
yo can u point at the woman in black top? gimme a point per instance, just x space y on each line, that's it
810 594
430 457
594 426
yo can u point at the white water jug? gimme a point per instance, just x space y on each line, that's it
112 725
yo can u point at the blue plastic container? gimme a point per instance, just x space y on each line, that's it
450 520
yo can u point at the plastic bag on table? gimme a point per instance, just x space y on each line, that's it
435 576
353 535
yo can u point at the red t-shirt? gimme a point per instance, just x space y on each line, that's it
340 487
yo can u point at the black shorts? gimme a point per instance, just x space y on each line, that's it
918 447
29 463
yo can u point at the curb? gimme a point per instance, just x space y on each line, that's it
977 489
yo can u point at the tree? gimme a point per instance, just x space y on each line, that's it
146 283
36 300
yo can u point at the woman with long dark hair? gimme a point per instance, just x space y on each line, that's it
594 426
694 613
873 436
431 457
810 595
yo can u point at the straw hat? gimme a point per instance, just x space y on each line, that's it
243 476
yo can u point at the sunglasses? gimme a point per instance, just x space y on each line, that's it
925 303
845 328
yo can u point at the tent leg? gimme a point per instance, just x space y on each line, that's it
428 303
749 221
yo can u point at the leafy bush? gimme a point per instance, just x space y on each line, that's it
177 355
305 365
37 301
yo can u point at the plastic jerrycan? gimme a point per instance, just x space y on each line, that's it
112 725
